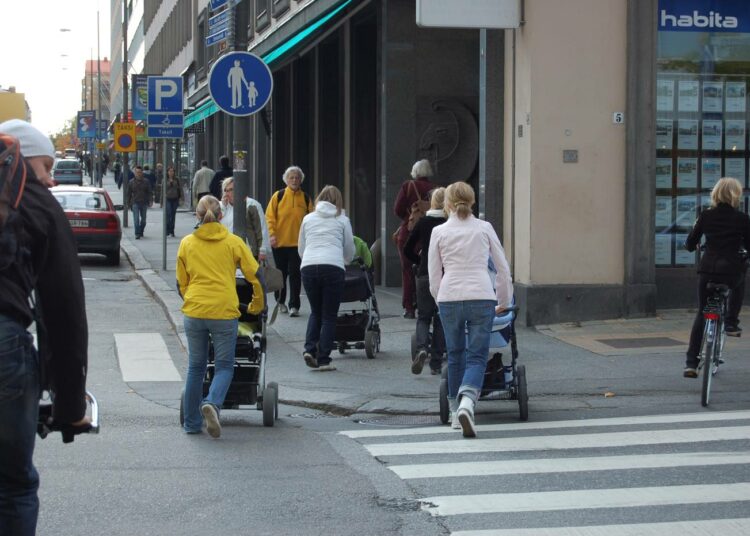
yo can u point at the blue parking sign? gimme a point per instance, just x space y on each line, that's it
164 94
240 83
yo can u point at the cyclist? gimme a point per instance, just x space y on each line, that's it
726 230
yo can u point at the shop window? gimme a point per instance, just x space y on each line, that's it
280 7
262 15
703 75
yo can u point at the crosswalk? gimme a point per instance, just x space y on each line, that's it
686 474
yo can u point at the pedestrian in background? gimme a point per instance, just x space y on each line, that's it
416 251
159 182
117 169
411 191
202 182
326 246
38 154
174 198
207 260
227 203
284 215
140 198
459 281
222 173
150 176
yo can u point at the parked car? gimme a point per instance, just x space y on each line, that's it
68 171
93 218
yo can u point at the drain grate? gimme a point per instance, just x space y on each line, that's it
400 420
641 342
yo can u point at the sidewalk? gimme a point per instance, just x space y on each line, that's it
563 361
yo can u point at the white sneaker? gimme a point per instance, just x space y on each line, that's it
453 419
466 417
283 308
211 416
293 312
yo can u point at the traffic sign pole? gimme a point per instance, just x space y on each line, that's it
240 135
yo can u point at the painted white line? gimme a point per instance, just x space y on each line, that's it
725 527
144 358
561 442
451 505
612 421
569 465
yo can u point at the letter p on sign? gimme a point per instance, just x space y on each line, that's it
164 89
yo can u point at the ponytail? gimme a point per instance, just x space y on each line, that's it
208 209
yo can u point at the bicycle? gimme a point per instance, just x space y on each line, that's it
714 336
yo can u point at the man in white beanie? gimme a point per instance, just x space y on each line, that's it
35 146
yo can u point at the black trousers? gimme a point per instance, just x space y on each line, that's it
288 261
737 284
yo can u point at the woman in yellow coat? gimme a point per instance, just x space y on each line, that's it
207 261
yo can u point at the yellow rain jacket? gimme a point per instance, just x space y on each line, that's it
206 265
285 219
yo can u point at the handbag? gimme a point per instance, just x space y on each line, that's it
272 277
418 208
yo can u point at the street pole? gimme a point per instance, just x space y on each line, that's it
164 207
98 172
125 167
240 131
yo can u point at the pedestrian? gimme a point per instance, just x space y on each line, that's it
265 253
117 169
427 311
458 256
206 263
159 182
222 173
227 203
174 198
202 182
150 176
726 230
326 246
254 230
105 162
411 191
284 214
51 269
140 198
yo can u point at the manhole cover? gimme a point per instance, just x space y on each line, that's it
641 342
400 420
315 416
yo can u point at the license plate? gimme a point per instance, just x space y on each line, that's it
79 223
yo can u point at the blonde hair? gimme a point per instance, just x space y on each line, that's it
208 209
333 196
437 198
459 198
421 169
727 190
226 183
296 170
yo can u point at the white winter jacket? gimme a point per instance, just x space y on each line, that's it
325 238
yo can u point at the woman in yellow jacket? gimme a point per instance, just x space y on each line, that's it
206 265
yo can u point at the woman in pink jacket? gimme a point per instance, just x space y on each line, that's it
461 285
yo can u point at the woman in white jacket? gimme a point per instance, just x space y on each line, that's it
326 246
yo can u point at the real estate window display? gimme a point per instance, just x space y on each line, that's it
701 130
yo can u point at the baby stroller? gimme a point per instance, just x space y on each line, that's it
248 385
500 382
358 326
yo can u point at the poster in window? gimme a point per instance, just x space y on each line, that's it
687 134
710 172
735 97
682 255
712 135
664 95
663 249
705 201
713 96
664 129
687 100
663 211
735 167
734 137
687 172
687 211
663 173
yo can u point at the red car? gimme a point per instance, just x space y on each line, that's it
93 217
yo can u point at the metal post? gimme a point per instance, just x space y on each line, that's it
240 131
125 166
482 193
98 173
164 206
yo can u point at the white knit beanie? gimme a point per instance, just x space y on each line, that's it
33 142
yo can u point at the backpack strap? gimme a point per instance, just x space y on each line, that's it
280 196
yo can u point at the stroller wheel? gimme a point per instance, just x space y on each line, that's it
444 407
270 404
523 396
371 343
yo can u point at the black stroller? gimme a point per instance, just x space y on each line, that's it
248 385
501 382
358 326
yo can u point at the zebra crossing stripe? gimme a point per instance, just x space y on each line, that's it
144 357
560 442
580 423
725 527
585 499
569 465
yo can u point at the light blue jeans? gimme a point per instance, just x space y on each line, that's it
224 338
467 326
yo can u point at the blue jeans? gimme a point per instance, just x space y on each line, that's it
467 326
324 286
19 411
224 338
139 218
171 212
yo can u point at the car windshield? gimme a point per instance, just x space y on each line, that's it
68 164
81 200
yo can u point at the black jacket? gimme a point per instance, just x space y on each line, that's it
57 273
420 235
726 230
219 176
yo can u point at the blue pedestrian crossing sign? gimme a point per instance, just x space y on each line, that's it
240 83
165 116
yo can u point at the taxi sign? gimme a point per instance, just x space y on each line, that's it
125 137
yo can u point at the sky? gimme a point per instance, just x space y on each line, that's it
47 65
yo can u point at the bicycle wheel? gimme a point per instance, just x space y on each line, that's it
713 343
